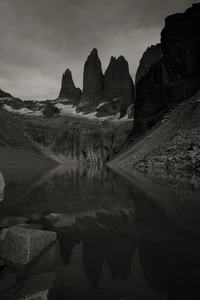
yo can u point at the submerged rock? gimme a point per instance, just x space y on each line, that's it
37 287
22 245
7 283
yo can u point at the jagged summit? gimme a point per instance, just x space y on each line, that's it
68 89
5 94
94 52
118 83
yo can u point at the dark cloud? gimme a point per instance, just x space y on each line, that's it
41 38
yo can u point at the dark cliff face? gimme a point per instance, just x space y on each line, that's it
68 90
85 142
93 79
8 99
4 94
150 57
119 84
114 90
93 84
175 77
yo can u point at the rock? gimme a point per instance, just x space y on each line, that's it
93 84
175 76
108 109
119 84
22 245
3 233
150 57
5 95
7 283
68 90
50 110
37 287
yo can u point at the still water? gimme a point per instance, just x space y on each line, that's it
114 241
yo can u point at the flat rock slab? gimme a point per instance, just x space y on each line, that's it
22 245
37 287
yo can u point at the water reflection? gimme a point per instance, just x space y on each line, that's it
120 245
107 239
168 254
63 189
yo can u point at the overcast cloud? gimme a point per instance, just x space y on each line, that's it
40 39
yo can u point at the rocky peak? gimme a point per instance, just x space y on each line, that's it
4 94
118 82
150 57
93 79
68 89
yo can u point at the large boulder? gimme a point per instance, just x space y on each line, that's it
119 84
68 91
93 84
22 245
175 76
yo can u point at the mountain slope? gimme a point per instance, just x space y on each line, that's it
15 148
169 154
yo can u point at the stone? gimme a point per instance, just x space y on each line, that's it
22 245
68 90
7 283
37 287
3 233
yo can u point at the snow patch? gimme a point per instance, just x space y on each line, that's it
22 111
6 99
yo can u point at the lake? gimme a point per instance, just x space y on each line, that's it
115 241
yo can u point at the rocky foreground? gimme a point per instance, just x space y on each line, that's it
29 252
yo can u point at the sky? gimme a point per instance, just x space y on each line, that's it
40 39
